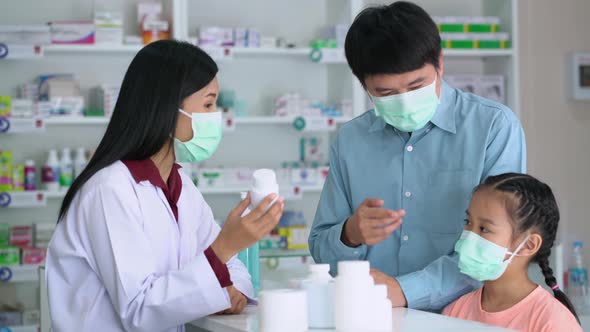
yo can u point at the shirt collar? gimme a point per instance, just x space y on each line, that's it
444 117
146 170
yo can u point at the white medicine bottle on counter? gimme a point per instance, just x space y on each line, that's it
320 294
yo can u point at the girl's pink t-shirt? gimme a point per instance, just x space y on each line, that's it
538 312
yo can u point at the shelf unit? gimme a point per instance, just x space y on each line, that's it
19 273
257 74
284 253
21 328
56 50
254 120
207 191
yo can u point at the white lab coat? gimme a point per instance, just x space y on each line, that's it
120 261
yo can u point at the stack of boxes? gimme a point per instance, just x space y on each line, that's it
215 36
293 104
17 246
109 28
152 26
291 233
472 32
332 36
487 86
106 97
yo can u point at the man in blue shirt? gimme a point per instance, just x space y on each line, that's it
417 156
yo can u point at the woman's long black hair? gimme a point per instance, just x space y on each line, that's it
533 206
158 79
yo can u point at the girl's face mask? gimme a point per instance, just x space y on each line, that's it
482 259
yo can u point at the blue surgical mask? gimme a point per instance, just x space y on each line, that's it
408 111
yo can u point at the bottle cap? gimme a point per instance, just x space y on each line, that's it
319 268
355 268
264 181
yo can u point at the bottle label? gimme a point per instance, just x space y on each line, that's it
578 277
48 174
66 177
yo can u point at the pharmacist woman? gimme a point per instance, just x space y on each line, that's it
136 247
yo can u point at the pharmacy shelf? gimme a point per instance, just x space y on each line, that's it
57 49
301 51
277 120
254 120
237 51
20 328
237 190
67 120
244 51
19 273
55 194
460 53
284 253
208 191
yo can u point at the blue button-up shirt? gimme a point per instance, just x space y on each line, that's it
431 174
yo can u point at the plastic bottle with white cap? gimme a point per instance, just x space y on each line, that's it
352 296
382 312
320 296
264 183
283 310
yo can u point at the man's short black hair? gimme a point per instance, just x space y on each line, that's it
393 39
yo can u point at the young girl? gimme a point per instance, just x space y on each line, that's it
511 221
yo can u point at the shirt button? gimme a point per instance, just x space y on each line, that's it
406 238
410 148
408 194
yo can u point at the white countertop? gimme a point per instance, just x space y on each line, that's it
403 320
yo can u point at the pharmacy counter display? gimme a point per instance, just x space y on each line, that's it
403 320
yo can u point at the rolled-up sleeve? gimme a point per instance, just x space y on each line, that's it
208 232
437 285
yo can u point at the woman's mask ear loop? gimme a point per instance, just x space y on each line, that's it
185 113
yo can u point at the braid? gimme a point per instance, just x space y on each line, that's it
552 283
533 206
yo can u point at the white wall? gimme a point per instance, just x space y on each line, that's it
557 128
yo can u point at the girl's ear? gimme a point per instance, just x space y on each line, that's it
532 245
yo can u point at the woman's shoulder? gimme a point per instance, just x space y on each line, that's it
113 179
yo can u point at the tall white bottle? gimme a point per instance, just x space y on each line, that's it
66 167
80 162
352 296
382 310
50 172
320 295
